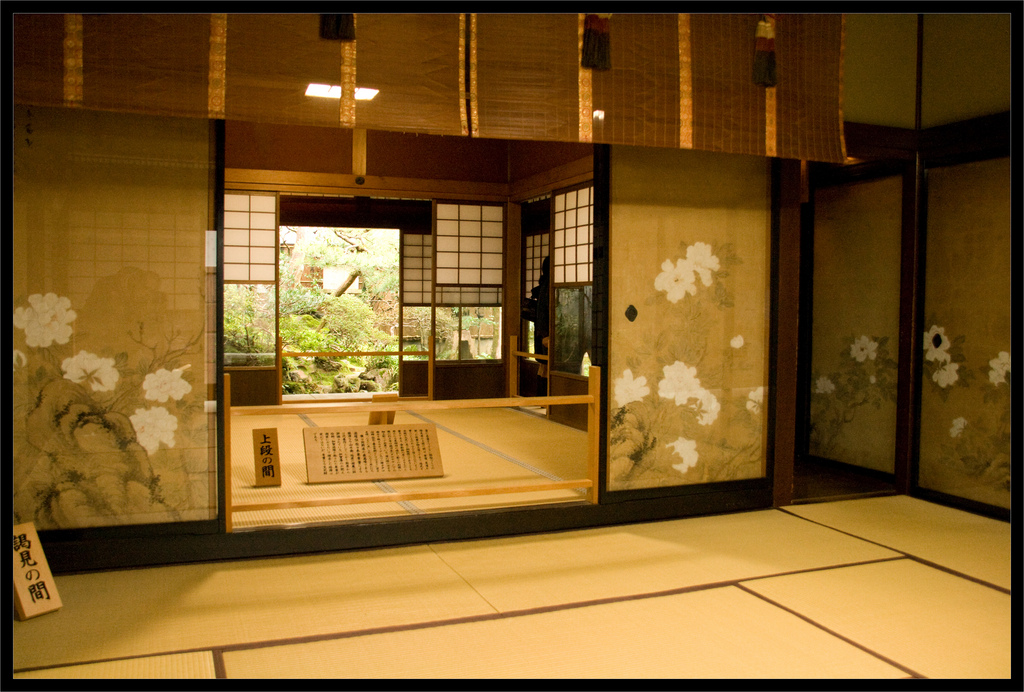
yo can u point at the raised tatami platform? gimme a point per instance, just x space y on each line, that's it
886 587
479 447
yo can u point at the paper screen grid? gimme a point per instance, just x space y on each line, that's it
250 238
573 237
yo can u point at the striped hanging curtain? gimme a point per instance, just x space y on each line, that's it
673 80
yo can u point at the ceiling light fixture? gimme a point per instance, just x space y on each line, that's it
324 91
329 91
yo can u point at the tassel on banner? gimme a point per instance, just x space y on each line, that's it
338 27
764 52
597 52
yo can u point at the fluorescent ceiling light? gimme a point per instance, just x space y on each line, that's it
329 91
324 91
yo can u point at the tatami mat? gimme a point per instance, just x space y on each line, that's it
715 633
148 611
757 594
534 571
193 665
964 542
937 624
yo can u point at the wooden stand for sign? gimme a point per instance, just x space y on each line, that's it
592 399
383 417
34 590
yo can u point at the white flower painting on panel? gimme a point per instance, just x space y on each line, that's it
687 451
695 429
864 348
166 384
153 426
702 261
629 389
46 321
95 452
1000 365
676 280
936 344
99 373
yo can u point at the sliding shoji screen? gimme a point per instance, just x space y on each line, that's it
250 237
573 246
416 267
469 254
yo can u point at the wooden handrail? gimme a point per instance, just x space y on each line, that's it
420 405
412 496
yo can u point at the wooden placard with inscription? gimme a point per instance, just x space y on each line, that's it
34 590
267 454
371 453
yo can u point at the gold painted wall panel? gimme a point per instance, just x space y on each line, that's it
965 388
856 322
112 356
688 306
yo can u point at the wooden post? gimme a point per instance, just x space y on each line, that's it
227 453
594 431
359 151
382 417
513 365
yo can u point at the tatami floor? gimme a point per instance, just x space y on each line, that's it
487 447
882 587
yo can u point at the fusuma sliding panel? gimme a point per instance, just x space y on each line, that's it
965 381
855 326
688 318
113 320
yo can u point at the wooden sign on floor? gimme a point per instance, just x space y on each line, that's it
34 590
371 453
267 455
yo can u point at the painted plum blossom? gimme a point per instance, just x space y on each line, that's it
629 389
936 344
166 384
153 426
47 320
755 400
679 279
687 451
681 384
703 261
958 426
864 348
99 373
1000 365
676 280
946 375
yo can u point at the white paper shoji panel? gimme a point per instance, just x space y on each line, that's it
250 237
536 251
468 295
573 237
416 267
470 241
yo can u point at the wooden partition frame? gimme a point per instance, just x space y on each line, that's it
592 399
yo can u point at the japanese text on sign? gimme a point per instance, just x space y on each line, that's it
371 453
